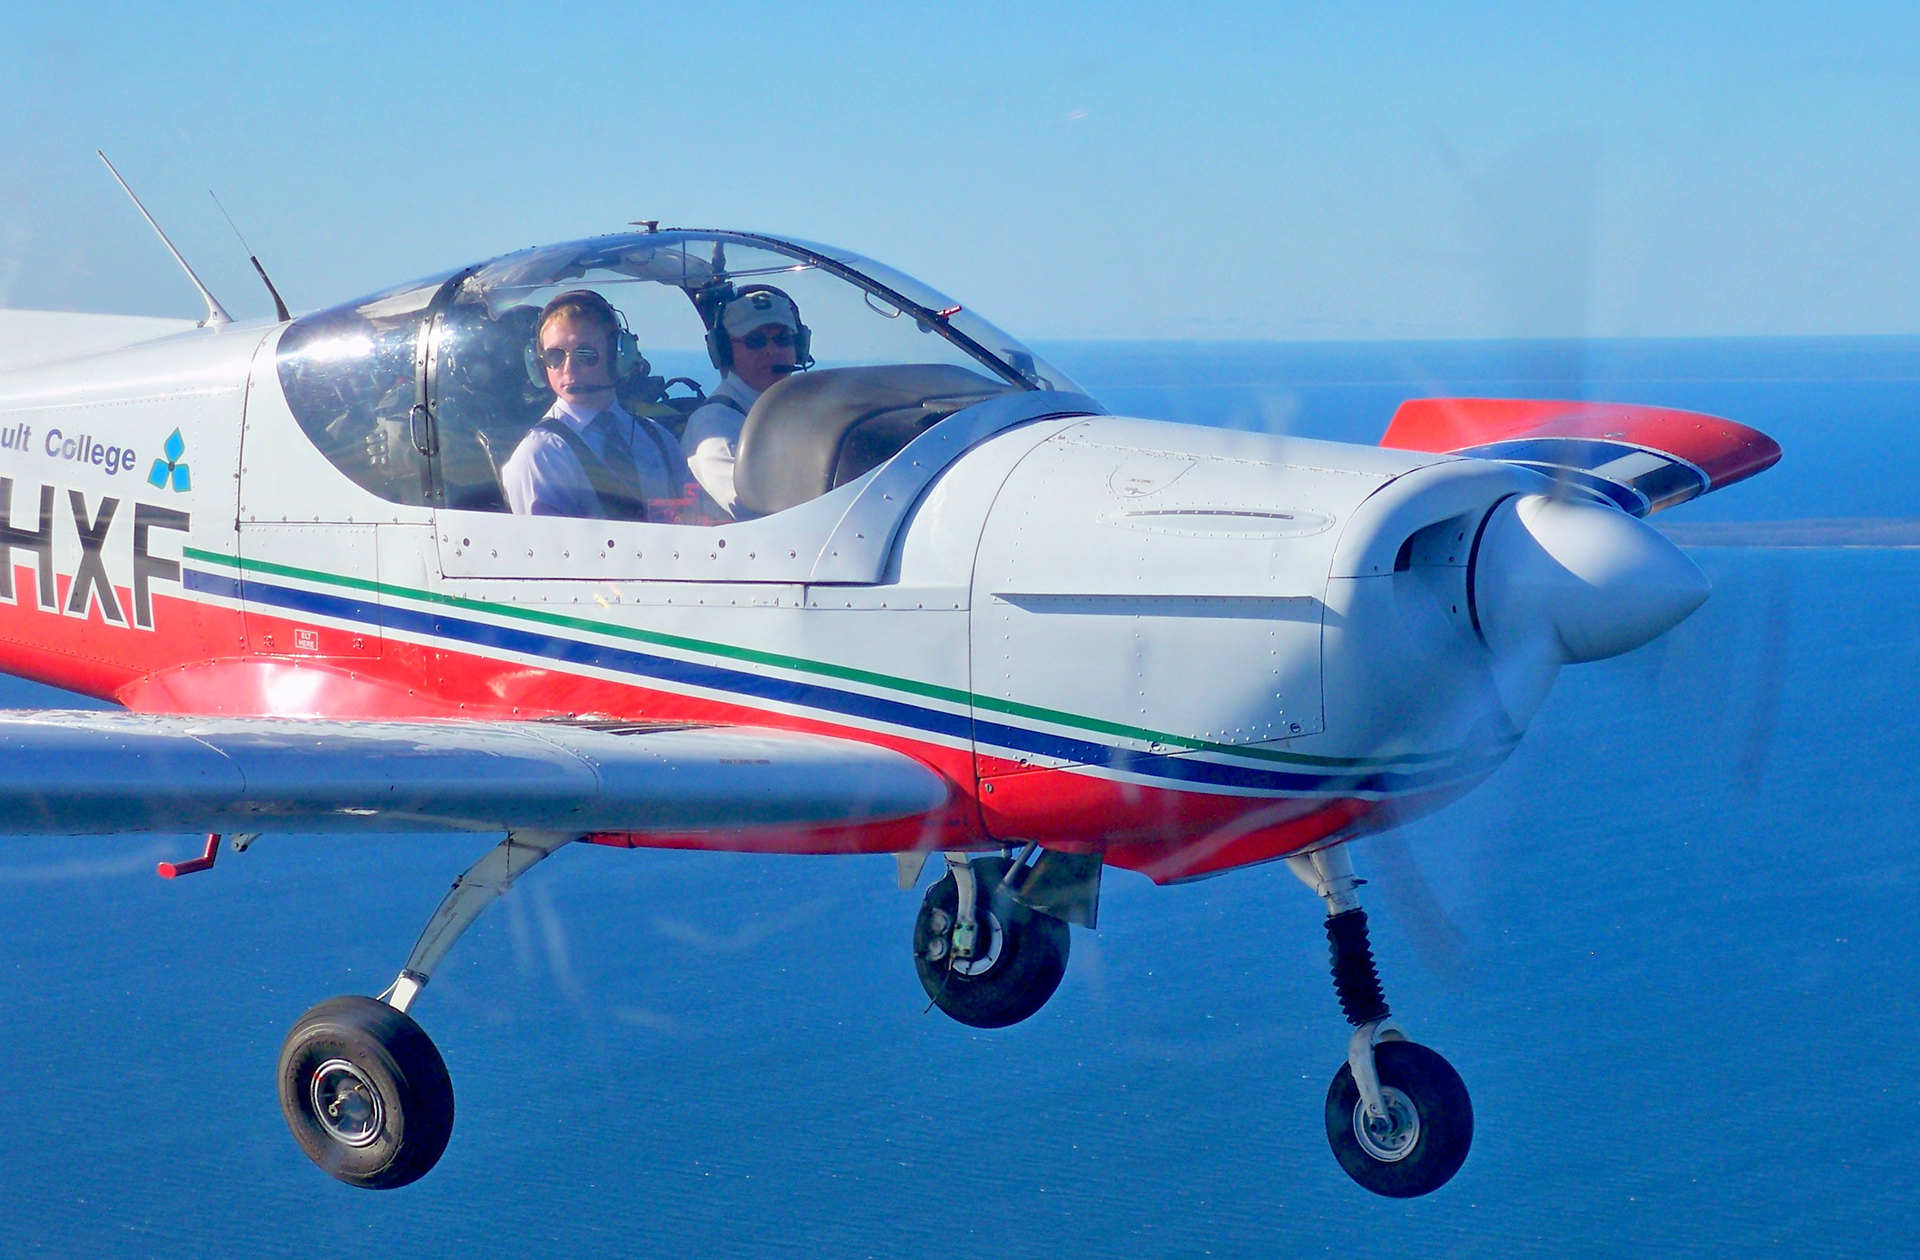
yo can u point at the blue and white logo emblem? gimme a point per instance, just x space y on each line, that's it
171 469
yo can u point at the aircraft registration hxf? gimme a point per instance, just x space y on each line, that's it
959 609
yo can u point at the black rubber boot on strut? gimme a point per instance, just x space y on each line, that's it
1354 978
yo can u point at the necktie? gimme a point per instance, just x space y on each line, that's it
627 495
616 451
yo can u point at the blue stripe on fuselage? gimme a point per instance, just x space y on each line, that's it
814 696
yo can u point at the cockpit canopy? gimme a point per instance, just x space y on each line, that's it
421 393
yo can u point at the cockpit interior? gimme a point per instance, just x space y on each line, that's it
420 394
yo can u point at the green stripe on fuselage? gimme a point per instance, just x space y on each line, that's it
799 665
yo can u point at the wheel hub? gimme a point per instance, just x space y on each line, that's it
1392 1137
988 939
346 1105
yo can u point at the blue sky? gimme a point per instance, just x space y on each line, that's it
1121 170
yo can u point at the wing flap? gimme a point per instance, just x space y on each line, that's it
1643 459
91 773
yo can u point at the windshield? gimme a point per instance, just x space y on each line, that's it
956 322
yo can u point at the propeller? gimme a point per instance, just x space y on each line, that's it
1558 579
1529 226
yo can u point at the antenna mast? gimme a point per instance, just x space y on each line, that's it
216 313
279 304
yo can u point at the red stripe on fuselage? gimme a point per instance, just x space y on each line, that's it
1165 833
195 661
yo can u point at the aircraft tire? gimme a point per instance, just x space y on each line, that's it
1421 1086
366 1093
1025 958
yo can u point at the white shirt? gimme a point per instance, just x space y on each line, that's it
543 478
712 439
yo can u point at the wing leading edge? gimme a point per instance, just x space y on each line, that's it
94 773
1641 459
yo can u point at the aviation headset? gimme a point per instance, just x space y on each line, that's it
627 359
720 342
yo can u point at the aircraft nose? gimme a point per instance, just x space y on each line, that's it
1584 580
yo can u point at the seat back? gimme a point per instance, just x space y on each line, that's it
817 430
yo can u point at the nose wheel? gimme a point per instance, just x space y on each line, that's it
1422 1138
984 958
1398 1116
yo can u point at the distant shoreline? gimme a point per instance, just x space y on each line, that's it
1885 532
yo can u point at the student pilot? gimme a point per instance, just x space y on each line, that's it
588 456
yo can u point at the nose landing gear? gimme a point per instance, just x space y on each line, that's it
1398 1116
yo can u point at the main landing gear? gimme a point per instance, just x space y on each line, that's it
368 1098
990 942
362 1087
1398 1116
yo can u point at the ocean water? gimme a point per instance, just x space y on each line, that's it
1670 946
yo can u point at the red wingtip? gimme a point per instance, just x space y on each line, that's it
1726 451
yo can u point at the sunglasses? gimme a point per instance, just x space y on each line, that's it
583 356
757 340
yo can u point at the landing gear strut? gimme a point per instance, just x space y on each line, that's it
1398 1116
363 1089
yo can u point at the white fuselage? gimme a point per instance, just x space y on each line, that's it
1198 646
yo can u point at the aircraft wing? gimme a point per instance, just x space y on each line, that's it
1642 459
90 773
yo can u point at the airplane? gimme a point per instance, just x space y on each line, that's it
961 612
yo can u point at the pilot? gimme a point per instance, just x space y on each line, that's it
756 339
588 456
